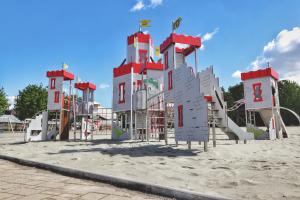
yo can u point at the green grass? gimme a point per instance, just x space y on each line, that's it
256 131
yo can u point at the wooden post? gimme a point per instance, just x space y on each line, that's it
236 141
245 141
176 143
205 146
199 142
189 145
166 124
214 133
74 115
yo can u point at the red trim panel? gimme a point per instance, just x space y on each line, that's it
182 39
185 51
122 92
166 60
208 98
56 96
139 84
180 116
52 83
142 38
170 80
257 92
126 69
84 86
61 73
260 73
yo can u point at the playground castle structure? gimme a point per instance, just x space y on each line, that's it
153 99
65 107
192 101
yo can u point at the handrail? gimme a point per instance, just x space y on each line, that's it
236 105
293 112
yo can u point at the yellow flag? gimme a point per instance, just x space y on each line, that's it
65 66
157 51
145 23
176 23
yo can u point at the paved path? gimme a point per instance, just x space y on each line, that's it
20 182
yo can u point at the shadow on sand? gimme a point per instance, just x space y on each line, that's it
139 151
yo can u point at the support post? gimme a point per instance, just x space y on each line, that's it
205 146
196 61
11 125
131 106
166 124
74 116
214 133
189 145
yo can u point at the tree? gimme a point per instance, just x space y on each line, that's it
30 101
3 101
289 97
233 94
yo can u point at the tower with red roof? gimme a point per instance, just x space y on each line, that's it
85 109
261 95
56 99
137 73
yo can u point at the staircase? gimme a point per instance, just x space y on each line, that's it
209 85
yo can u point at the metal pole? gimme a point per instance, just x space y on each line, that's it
196 62
147 136
131 106
74 117
92 130
69 106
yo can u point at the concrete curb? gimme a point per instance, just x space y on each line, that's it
119 182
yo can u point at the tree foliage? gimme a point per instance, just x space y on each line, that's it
30 101
3 101
233 94
289 97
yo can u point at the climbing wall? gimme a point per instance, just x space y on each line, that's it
189 106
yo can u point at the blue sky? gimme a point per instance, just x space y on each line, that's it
90 36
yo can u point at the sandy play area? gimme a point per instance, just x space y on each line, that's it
256 170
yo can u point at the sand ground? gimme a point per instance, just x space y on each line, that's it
256 170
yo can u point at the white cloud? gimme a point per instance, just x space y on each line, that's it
206 37
209 36
283 54
202 48
11 101
103 86
140 5
236 74
155 3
